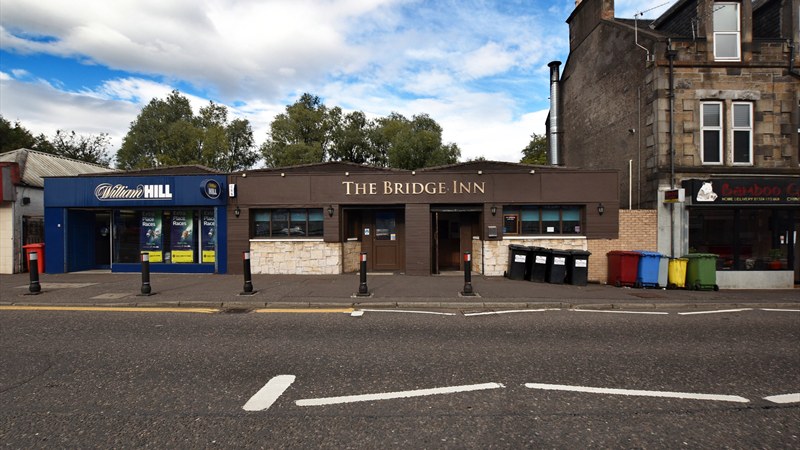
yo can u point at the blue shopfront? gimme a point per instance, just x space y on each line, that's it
107 223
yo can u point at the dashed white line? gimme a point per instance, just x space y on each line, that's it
394 395
267 395
781 310
667 394
714 312
619 312
489 313
785 398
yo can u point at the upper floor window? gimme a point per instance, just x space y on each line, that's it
285 223
742 133
726 32
711 126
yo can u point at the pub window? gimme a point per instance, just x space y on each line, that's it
742 133
541 220
287 223
711 125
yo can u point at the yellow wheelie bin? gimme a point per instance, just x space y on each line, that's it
677 273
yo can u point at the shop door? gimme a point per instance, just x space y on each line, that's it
388 241
449 241
102 240
435 243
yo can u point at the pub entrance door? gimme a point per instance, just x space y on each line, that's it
384 239
451 236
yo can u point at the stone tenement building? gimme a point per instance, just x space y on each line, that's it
705 97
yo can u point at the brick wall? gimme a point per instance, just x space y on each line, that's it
638 230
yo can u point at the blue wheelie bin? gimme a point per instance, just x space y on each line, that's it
649 269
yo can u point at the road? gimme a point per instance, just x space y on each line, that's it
461 379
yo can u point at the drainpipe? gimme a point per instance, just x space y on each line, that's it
554 152
671 53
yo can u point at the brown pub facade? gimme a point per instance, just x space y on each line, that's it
318 218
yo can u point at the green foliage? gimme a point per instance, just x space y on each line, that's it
536 151
92 149
16 137
309 132
167 133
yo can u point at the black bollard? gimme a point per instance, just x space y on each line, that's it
248 285
363 290
33 267
146 290
468 274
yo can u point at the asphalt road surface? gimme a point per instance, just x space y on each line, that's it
534 379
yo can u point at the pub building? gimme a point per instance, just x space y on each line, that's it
176 215
751 224
318 218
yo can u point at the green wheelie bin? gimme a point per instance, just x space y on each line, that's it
701 271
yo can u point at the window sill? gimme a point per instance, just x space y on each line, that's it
542 237
287 240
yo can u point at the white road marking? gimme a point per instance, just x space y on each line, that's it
410 312
267 395
715 311
488 313
781 310
394 395
593 390
619 312
356 313
785 398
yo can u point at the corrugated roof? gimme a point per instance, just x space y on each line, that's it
188 169
35 166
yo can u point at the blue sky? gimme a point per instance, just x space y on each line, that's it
479 68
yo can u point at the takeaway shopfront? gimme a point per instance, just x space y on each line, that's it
317 218
106 223
752 224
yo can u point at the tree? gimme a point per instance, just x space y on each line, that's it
167 133
536 151
92 148
16 137
301 135
350 140
413 144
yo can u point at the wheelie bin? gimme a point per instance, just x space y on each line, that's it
622 267
557 267
539 257
578 267
663 272
648 269
518 262
701 271
677 273
531 261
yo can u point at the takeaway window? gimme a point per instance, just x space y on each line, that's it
541 220
287 223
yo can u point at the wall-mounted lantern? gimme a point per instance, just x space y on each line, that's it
330 211
494 210
237 211
601 209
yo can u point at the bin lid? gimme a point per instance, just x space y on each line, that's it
700 255
560 252
517 247
650 254
623 253
40 245
580 252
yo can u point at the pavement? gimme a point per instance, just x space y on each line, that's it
106 289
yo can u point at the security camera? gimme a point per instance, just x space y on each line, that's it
631 131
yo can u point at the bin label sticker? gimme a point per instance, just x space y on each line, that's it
519 258
580 263
541 259
559 261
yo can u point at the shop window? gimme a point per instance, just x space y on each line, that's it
541 220
184 236
711 125
287 223
742 133
726 32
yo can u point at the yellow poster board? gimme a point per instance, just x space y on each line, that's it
155 257
182 256
209 256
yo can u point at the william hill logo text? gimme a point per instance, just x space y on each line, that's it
107 191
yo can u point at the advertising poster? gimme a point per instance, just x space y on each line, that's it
182 237
208 236
150 237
